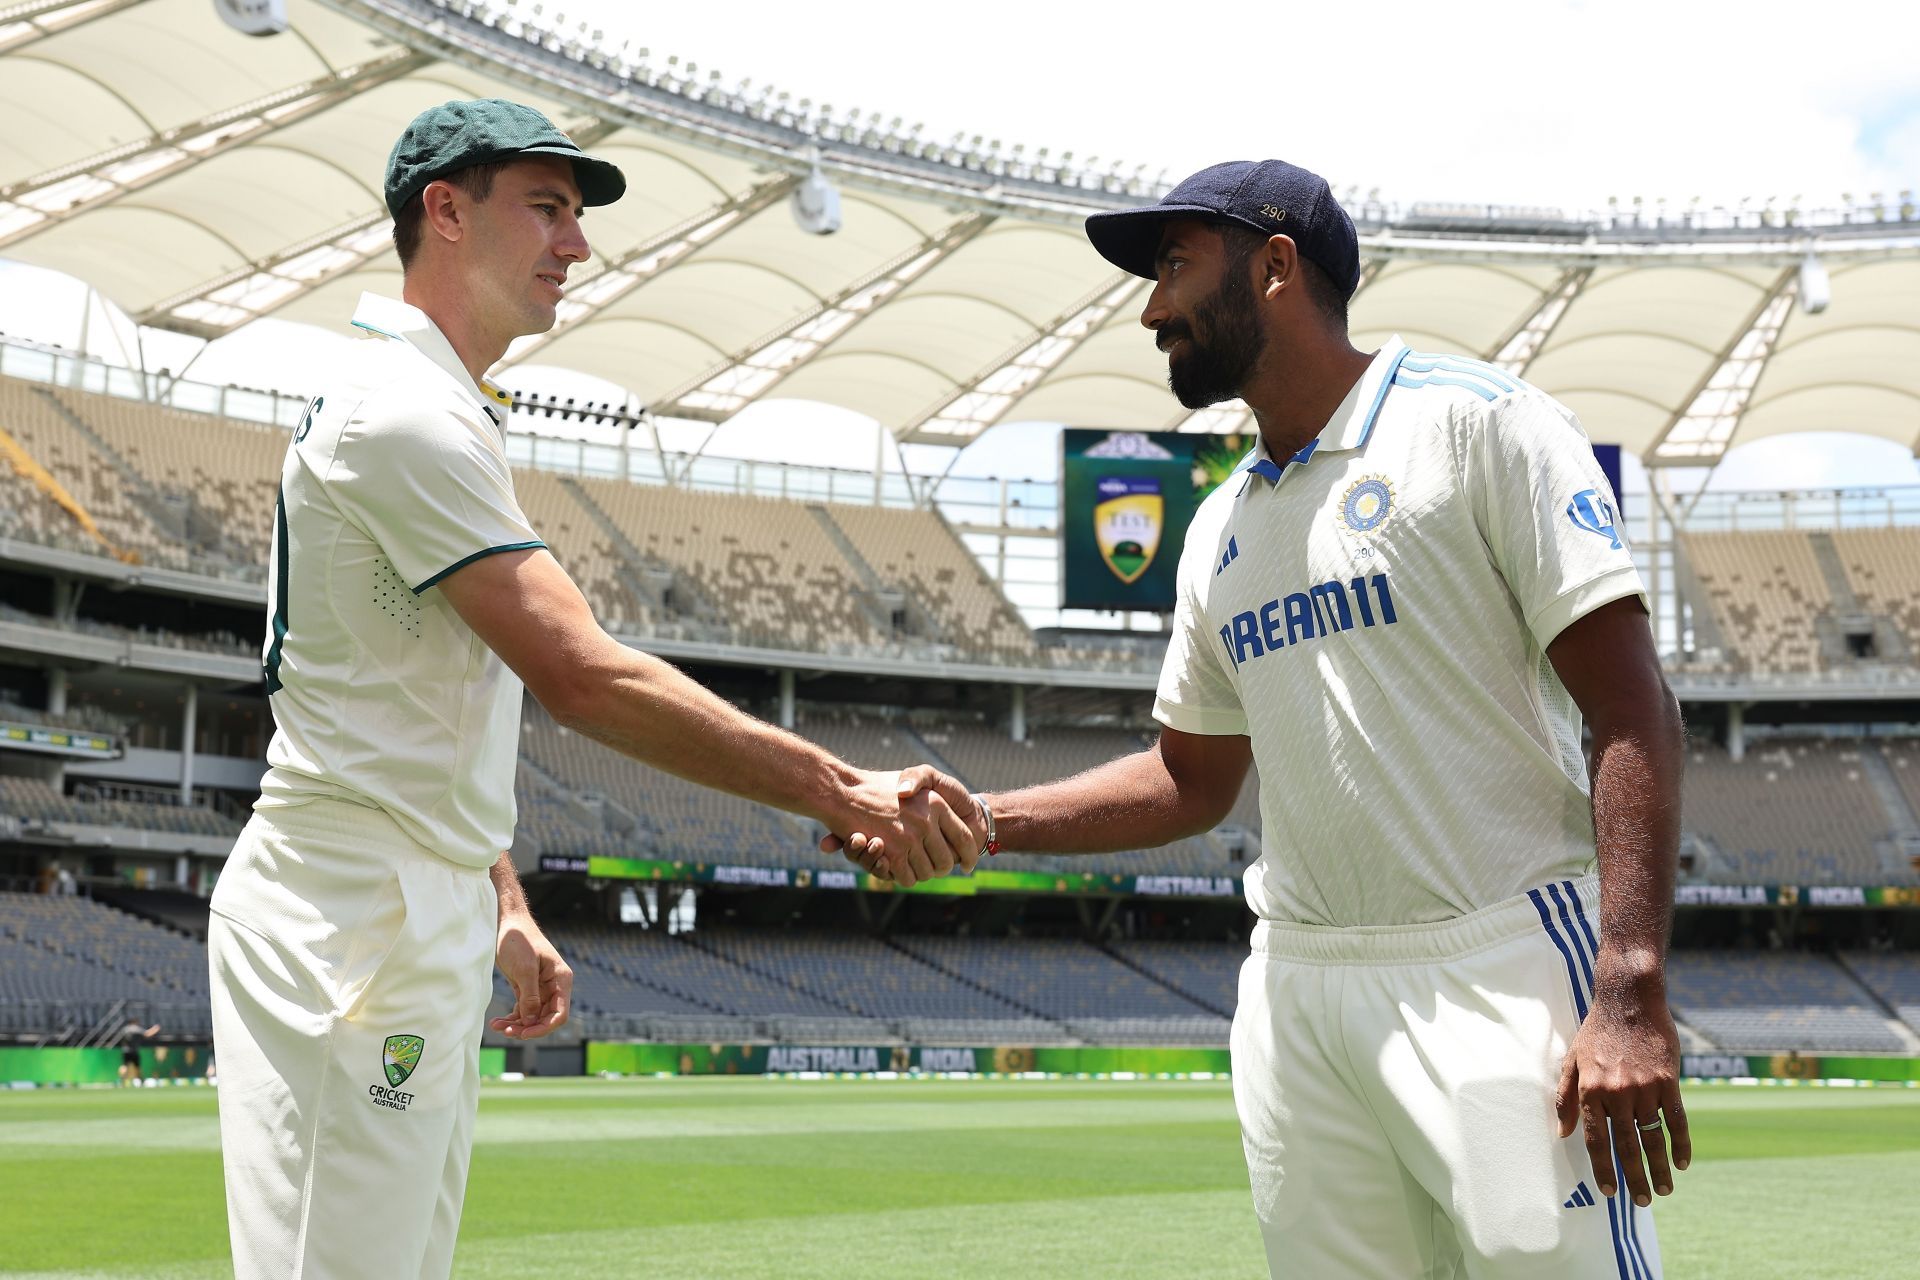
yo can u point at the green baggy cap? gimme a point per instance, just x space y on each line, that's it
458 135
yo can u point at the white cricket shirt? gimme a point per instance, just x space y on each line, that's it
381 694
1374 615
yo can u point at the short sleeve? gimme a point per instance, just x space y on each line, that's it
1547 513
430 488
1196 693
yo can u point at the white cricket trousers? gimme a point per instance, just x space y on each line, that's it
1395 1087
351 973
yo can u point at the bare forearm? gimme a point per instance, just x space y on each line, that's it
506 886
1129 803
658 715
1636 817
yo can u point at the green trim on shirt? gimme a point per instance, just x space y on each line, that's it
478 555
270 670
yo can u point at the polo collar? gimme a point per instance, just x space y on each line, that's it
402 322
1351 424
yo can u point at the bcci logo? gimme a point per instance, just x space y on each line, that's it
400 1055
1591 511
1127 522
1367 504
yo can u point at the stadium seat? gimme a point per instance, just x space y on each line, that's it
1795 811
1772 1001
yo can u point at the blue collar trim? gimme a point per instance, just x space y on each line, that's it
1270 469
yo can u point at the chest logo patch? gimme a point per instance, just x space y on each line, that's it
1367 504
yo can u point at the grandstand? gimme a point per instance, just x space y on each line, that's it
1893 979
1802 602
1798 810
893 617
69 964
1766 1002
736 573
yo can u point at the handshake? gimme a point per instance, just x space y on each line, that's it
917 824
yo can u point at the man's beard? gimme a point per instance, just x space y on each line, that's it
1210 372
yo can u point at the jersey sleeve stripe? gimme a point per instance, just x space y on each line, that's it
1480 389
482 554
1418 362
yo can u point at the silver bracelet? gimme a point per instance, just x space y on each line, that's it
992 846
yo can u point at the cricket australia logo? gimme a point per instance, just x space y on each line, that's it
398 1057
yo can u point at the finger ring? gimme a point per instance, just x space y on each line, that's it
1652 1124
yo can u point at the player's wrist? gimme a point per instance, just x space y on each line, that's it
846 801
1635 974
990 837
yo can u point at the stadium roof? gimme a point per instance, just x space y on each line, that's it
201 179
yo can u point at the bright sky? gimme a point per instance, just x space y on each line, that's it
1541 102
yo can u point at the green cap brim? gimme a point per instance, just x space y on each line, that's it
600 181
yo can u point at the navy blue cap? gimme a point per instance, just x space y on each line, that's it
1270 196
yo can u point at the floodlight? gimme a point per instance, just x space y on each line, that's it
254 17
816 202
1816 291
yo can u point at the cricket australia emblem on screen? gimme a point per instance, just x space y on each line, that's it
1128 519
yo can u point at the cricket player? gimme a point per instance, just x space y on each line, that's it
356 920
1402 608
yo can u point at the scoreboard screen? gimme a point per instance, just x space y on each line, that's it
1126 498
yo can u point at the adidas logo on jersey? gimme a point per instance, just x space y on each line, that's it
1233 553
1580 1199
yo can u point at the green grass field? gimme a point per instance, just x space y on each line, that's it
909 1179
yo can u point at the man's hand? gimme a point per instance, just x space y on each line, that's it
1621 1075
542 982
933 827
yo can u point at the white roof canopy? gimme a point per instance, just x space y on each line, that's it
202 179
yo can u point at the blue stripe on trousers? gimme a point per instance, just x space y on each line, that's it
1573 975
1586 970
1627 1270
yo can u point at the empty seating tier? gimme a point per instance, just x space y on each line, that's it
1792 812
1883 568
1765 589
1893 977
33 419
1764 1002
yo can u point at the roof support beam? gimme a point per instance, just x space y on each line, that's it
1234 417
1519 345
36 203
595 291
38 19
980 401
733 384
1698 435
214 308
